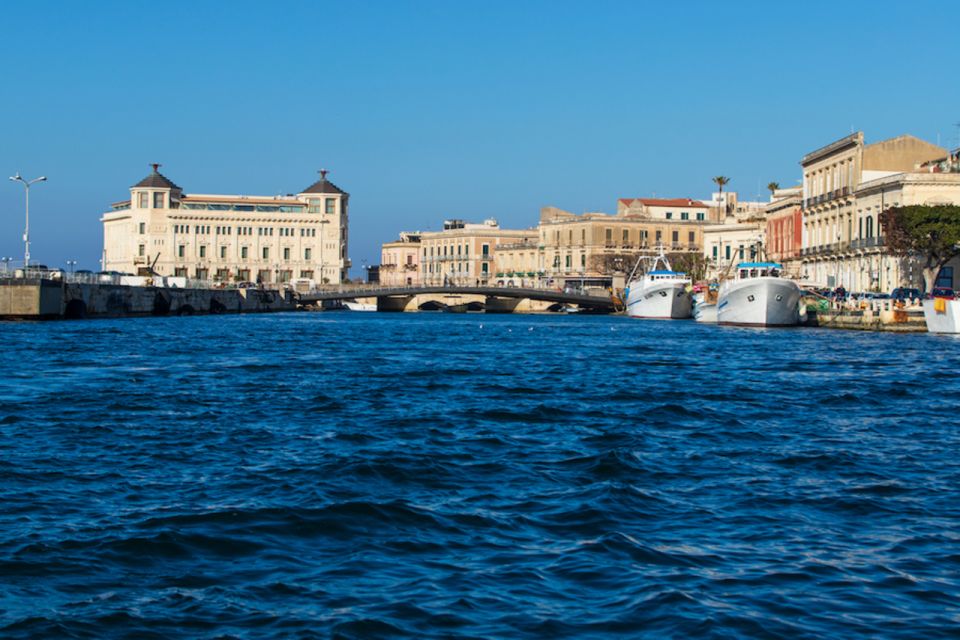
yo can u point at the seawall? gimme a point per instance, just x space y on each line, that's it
42 299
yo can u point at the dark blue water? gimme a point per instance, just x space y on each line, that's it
433 475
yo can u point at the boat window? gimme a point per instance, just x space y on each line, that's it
753 273
775 273
743 273
763 272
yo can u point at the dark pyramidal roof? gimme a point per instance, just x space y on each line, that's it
323 185
157 180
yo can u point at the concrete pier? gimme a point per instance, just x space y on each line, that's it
42 299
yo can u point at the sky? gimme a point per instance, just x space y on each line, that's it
425 111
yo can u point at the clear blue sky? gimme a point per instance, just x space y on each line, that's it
431 110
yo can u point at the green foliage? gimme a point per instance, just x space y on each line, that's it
773 186
691 263
721 181
930 232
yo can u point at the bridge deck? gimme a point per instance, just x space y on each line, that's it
548 295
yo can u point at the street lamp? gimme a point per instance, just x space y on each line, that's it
6 264
26 232
71 264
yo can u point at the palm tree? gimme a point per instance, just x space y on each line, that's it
720 181
773 186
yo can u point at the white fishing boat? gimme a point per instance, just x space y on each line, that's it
942 315
654 292
759 297
359 306
705 310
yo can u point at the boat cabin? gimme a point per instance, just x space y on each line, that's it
665 275
758 270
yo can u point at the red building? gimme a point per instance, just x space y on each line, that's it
784 236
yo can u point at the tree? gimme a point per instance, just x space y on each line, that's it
930 234
773 186
721 181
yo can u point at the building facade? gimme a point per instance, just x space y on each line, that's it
833 224
594 246
726 244
464 253
400 261
784 228
269 240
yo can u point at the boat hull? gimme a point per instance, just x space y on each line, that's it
759 302
705 312
945 319
660 300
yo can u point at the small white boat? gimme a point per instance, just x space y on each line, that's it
942 315
759 297
703 310
359 306
658 293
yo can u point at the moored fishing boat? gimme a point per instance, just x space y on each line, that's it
705 305
759 297
658 293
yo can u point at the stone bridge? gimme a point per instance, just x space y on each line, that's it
494 299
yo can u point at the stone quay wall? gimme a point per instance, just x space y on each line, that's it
33 299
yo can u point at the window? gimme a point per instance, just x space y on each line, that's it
243 252
223 253
203 251
944 278
583 260
741 252
286 253
144 200
869 226
659 236
142 250
485 249
331 205
306 273
583 236
158 200
676 236
715 248
307 254
143 228
485 268
181 250
699 215
692 237
266 253
669 215
728 251
608 236
626 236
567 262
684 215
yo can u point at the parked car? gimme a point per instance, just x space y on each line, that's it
943 292
906 293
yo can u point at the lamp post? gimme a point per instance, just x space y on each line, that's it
26 231
71 264
6 264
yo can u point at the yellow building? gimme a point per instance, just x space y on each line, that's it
400 261
228 238
595 246
464 253
837 232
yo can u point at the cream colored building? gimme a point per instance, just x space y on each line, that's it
594 246
839 237
519 263
464 253
400 261
863 264
725 245
229 238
